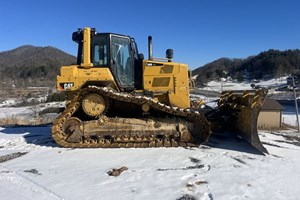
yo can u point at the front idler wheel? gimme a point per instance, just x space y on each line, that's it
73 130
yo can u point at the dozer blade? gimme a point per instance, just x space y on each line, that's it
238 112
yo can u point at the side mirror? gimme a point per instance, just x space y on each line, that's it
141 56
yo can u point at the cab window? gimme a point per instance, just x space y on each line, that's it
99 51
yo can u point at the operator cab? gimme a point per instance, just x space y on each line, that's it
117 52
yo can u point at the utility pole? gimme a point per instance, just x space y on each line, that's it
296 103
224 73
221 84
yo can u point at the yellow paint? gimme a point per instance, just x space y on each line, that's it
87 48
168 81
79 76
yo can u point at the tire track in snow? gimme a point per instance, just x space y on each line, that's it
30 187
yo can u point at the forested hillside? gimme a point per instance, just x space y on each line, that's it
38 66
32 66
272 63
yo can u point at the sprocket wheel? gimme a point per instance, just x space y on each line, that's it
94 105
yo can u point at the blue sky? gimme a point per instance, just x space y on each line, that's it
199 31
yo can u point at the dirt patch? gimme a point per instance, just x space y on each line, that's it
15 120
5 172
186 168
187 197
293 140
274 145
239 160
51 110
292 137
32 171
200 182
191 185
116 172
11 156
194 160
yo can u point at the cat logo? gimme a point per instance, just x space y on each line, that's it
67 85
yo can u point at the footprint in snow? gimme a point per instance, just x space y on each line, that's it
192 186
196 189
195 160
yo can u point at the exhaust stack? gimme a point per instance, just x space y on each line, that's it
150 50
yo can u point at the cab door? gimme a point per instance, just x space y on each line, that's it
122 62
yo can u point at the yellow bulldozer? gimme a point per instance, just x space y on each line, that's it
117 98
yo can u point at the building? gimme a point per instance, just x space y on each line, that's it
289 80
270 115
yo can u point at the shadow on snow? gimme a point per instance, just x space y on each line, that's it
230 141
41 135
38 135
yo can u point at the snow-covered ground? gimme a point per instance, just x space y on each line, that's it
32 166
224 168
289 116
224 85
27 114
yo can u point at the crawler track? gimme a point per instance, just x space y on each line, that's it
178 127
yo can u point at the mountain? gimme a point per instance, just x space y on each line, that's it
38 66
32 66
272 63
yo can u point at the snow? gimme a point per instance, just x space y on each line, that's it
27 111
11 112
224 168
223 85
289 116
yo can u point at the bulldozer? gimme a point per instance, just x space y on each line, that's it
115 98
